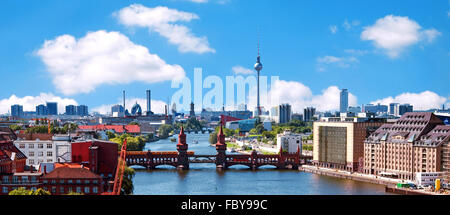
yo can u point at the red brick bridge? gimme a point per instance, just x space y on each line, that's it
181 158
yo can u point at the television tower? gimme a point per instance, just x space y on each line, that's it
258 68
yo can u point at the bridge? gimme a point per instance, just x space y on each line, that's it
181 158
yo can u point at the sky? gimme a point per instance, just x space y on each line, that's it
88 51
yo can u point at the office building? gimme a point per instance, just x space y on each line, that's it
354 109
284 112
378 109
308 114
117 111
82 110
41 110
417 142
289 142
17 110
52 108
340 145
343 104
71 110
394 109
405 108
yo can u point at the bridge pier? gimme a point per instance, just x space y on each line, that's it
182 147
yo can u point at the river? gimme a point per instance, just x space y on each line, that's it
204 179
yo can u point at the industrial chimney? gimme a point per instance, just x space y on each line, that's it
124 101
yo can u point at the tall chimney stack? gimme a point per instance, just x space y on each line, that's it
149 96
124 101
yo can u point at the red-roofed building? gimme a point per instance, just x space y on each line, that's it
66 178
99 156
11 158
121 129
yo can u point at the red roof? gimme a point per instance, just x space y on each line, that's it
70 172
117 128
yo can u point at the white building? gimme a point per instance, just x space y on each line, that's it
290 142
428 178
46 151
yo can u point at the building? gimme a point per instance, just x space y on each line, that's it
394 109
405 108
192 111
136 110
289 142
308 114
66 178
45 151
243 125
71 110
99 156
297 116
41 110
52 108
82 110
12 160
354 109
284 112
17 110
343 104
340 145
267 124
378 109
417 142
117 111
428 178
118 129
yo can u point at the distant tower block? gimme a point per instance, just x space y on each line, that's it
149 104
124 108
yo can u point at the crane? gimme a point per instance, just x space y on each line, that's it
119 171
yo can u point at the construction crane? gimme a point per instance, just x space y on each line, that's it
119 171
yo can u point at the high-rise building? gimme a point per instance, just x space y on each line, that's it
71 110
149 100
308 114
82 110
117 111
284 112
52 108
370 108
192 112
394 109
404 108
343 101
41 110
17 110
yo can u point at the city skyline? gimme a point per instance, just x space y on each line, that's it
319 58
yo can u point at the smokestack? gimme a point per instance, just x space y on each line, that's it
149 105
124 101
165 109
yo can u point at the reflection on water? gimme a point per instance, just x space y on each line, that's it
204 179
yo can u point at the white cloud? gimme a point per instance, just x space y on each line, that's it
79 66
356 52
333 29
300 96
157 106
347 25
198 1
342 62
162 20
420 101
395 33
29 103
239 70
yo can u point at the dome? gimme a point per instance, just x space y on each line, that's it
136 110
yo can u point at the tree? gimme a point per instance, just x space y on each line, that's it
213 138
133 143
110 135
134 123
15 127
22 191
127 183
164 131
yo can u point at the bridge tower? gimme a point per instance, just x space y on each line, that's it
182 147
221 148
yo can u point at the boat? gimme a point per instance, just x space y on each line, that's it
195 141
173 139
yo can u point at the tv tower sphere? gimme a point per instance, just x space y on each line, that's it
258 65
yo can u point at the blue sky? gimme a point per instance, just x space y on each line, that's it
315 45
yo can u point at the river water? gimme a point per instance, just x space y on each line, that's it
204 179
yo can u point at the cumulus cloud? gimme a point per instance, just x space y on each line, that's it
79 66
300 96
395 33
29 103
239 70
157 106
162 20
420 101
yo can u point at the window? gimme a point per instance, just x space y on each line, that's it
22 145
86 189
40 154
15 179
61 181
49 146
31 162
45 181
33 179
53 190
49 160
40 145
31 146
69 189
94 189
61 189
78 189
24 179
5 189
31 154
95 182
53 181
5 179
78 181
49 153
70 181
86 181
